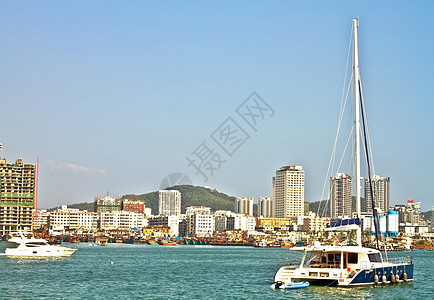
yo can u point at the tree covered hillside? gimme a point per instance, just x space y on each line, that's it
190 196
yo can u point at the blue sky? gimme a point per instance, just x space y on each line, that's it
113 96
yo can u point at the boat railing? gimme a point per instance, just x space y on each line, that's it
322 265
400 260
293 266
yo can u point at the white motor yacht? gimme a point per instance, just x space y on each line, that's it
35 247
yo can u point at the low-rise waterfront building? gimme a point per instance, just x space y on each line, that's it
121 220
272 224
244 222
156 231
41 219
411 220
136 206
314 223
222 220
107 204
70 219
171 222
200 225
198 210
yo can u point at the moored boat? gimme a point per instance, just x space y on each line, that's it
34 247
349 265
289 285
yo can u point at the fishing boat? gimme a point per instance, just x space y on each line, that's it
349 265
34 247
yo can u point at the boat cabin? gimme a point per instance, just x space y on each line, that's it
339 257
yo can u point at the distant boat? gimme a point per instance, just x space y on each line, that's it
348 265
289 285
34 247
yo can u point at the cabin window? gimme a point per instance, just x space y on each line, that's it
352 258
374 257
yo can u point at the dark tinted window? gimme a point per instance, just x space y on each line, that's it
374 257
352 258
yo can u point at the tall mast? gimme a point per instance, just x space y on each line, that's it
357 121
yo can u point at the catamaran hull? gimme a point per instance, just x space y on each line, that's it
363 277
367 277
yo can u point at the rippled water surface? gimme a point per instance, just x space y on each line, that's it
181 272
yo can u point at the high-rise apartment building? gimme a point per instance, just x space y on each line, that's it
265 206
381 189
340 196
17 196
288 192
244 205
169 203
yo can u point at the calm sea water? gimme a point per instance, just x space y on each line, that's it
183 272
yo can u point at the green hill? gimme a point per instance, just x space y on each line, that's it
190 196
313 206
89 206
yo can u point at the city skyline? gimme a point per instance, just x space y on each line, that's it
115 97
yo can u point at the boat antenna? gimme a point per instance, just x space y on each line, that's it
374 209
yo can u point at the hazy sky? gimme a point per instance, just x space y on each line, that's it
115 95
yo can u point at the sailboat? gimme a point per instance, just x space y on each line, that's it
346 265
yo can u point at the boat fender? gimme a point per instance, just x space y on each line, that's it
404 277
383 279
397 278
352 274
376 279
392 278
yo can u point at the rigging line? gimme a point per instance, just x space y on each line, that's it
333 154
374 210
346 146
341 109
362 95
